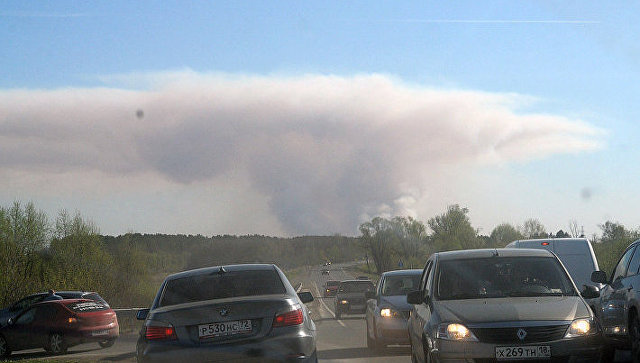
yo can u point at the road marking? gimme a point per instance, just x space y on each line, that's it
315 284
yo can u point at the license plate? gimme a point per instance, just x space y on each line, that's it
523 352
99 332
224 328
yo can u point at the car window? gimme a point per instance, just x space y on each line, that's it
86 306
621 268
27 317
424 283
400 285
45 313
219 286
95 297
356 286
502 277
26 302
634 264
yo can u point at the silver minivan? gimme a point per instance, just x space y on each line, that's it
576 254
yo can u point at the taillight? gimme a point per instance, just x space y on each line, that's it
294 317
160 333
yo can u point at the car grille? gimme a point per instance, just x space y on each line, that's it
535 334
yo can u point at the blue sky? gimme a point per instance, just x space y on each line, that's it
572 59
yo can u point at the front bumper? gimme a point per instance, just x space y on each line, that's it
392 330
587 349
295 346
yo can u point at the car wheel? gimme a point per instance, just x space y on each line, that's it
57 345
107 343
4 348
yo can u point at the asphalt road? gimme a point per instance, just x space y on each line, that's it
339 340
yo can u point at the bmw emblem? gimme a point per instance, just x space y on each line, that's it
223 312
522 334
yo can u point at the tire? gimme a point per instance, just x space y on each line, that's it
4 348
107 343
57 344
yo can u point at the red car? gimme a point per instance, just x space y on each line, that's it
331 287
59 324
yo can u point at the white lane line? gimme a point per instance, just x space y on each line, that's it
315 284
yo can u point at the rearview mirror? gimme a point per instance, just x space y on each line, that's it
415 297
142 314
590 292
305 297
599 277
370 295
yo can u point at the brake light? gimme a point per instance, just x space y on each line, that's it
545 243
72 320
160 333
294 317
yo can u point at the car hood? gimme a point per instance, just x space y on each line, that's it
550 308
398 302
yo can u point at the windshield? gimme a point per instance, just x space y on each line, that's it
497 277
356 286
400 285
220 286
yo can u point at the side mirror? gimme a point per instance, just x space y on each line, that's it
305 297
590 292
142 314
599 277
415 297
370 295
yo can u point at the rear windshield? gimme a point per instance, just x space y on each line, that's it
219 286
95 297
87 306
333 283
356 286
501 277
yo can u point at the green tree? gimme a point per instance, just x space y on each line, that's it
533 228
452 230
503 234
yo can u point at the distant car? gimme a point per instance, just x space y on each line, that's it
238 312
59 324
327 263
331 287
350 298
24 303
619 304
325 272
500 304
388 310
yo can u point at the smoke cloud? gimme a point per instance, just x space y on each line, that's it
325 151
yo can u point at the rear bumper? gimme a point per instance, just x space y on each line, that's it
294 346
93 334
566 350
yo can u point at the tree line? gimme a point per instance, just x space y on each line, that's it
402 242
68 252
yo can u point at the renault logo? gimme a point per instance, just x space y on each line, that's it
522 334
223 312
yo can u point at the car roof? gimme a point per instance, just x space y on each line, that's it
493 252
581 239
62 301
227 268
402 272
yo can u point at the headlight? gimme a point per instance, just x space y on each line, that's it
389 313
343 302
580 327
455 332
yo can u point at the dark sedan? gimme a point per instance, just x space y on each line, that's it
247 313
59 324
388 310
